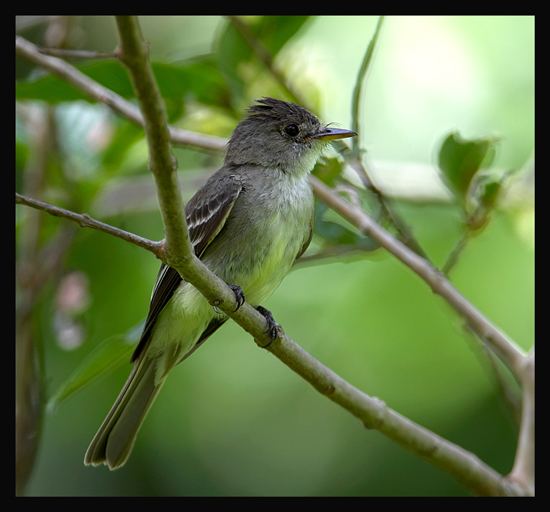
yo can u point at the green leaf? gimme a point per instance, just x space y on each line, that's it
198 78
233 53
489 190
484 197
328 170
21 154
53 89
126 134
461 159
109 355
334 233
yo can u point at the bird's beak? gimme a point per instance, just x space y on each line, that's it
333 133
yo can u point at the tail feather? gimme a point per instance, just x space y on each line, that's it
116 436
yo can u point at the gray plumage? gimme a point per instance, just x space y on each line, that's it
248 224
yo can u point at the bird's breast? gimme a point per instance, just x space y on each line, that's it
264 235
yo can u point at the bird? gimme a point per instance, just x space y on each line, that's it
248 223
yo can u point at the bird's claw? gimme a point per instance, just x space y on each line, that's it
239 295
273 328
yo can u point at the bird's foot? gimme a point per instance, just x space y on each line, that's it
273 328
239 295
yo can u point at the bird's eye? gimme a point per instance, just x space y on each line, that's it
292 130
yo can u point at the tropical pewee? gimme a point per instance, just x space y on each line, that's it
248 224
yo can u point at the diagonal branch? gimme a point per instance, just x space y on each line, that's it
99 93
512 355
85 221
78 54
375 414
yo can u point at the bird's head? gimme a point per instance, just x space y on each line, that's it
282 135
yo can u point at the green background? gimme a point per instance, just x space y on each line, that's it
232 420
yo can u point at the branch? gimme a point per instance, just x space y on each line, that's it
99 93
374 413
85 221
524 465
512 355
78 54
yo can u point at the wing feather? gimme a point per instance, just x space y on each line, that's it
206 214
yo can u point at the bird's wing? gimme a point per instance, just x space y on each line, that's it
206 214
305 245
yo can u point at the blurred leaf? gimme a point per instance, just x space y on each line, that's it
485 195
109 355
489 190
328 170
199 78
207 82
21 154
334 233
53 90
125 135
461 159
233 51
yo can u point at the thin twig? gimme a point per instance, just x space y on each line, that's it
508 390
77 54
265 57
471 227
509 396
356 95
329 253
452 259
85 221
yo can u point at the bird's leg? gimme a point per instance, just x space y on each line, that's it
239 295
273 328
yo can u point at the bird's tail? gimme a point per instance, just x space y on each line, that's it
116 436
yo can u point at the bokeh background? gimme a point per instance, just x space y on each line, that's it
233 420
